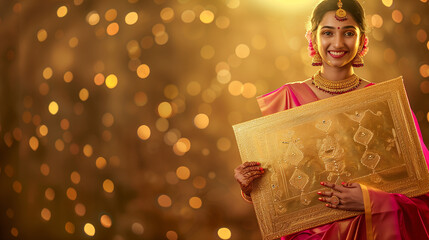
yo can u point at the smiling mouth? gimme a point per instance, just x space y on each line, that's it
337 54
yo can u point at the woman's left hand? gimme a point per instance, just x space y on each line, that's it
345 196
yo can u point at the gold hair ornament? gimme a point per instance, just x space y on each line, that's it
340 14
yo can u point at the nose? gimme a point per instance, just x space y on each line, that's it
338 41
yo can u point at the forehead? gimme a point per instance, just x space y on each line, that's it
330 20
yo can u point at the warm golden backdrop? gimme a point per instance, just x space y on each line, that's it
116 115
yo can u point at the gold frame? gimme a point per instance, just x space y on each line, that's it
283 199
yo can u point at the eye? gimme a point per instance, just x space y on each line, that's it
349 34
327 33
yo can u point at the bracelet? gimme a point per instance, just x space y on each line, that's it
246 197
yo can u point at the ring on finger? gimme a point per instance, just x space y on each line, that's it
335 200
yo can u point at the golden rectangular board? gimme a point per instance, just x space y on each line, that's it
366 136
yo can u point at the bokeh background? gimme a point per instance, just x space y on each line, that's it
116 115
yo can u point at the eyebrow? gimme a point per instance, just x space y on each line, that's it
345 27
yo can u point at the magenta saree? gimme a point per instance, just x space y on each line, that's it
387 216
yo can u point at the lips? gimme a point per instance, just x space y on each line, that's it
337 54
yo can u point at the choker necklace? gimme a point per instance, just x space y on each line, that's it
336 87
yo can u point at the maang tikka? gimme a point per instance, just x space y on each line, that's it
340 14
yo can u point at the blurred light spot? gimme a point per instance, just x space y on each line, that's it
99 79
207 16
171 178
47 73
201 121
235 88
143 71
107 135
89 229
195 202
165 110
69 227
75 177
140 99
111 14
387 3
161 39
73 42
143 132
171 235
8 170
36 120
137 228
64 124
93 18
53 107
112 29
17 186
34 143
222 22
14 232
131 18
222 66
46 214
183 145
42 35
188 16
59 145
193 88
68 77
107 119
424 70
171 91
50 194
83 94
424 87
9 213
199 182
87 150
223 144
162 124
167 14
158 29
207 52
71 193
224 76
106 221
258 42
17 7
111 81
44 169
100 162
77 2
249 90
44 89
397 16
233 3
224 233
416 19
427 116
242 51
164 201
282 63
172 136
421 35
377 21
62 11
108 185
183 173
80 209
17 134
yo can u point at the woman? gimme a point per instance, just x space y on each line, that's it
337 43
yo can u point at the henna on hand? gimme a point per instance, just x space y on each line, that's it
345 196
246 173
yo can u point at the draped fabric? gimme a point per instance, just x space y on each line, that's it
387 216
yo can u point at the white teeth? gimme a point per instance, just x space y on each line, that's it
336 53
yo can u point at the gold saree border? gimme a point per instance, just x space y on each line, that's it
368 214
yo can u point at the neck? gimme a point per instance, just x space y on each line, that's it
336 73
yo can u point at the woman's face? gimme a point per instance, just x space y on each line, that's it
338 42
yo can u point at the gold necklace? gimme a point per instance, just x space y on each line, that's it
336 87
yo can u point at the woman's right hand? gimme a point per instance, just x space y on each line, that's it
246 173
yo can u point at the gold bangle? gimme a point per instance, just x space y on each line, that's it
246 197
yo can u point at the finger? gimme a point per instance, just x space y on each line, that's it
334 186
325 193
252 178
251 164
349 185
331 206
252 169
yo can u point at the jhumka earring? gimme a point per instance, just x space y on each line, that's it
317 59
340 14
358 61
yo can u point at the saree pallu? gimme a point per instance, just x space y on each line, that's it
387 216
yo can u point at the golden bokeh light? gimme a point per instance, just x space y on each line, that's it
71 193
112 29
93 18
235 88
59 145
165 110
171 91
377 21
99 79
397 16
87 150
68 77
416 19
161 39
73 42
137 228
164 201
110 14
421 35
45 169
44 89
108 186
167 14
34 143
424 70
100 162
224 233
140 99
249 90
47 73
193 88
131 18
201 121
83 94
195 202
143 71
45 214
17 134
62 11
42 34
43 130
107 119
53 108
162 124
387 3
223 144
80 209
206 16
17 186
111 81
89 229
171 235
242 51
75 177
14 232
188 16
424 87
143 132
199 182
207 52
233 4
50 194
222 22
183 173
105 221
69 227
